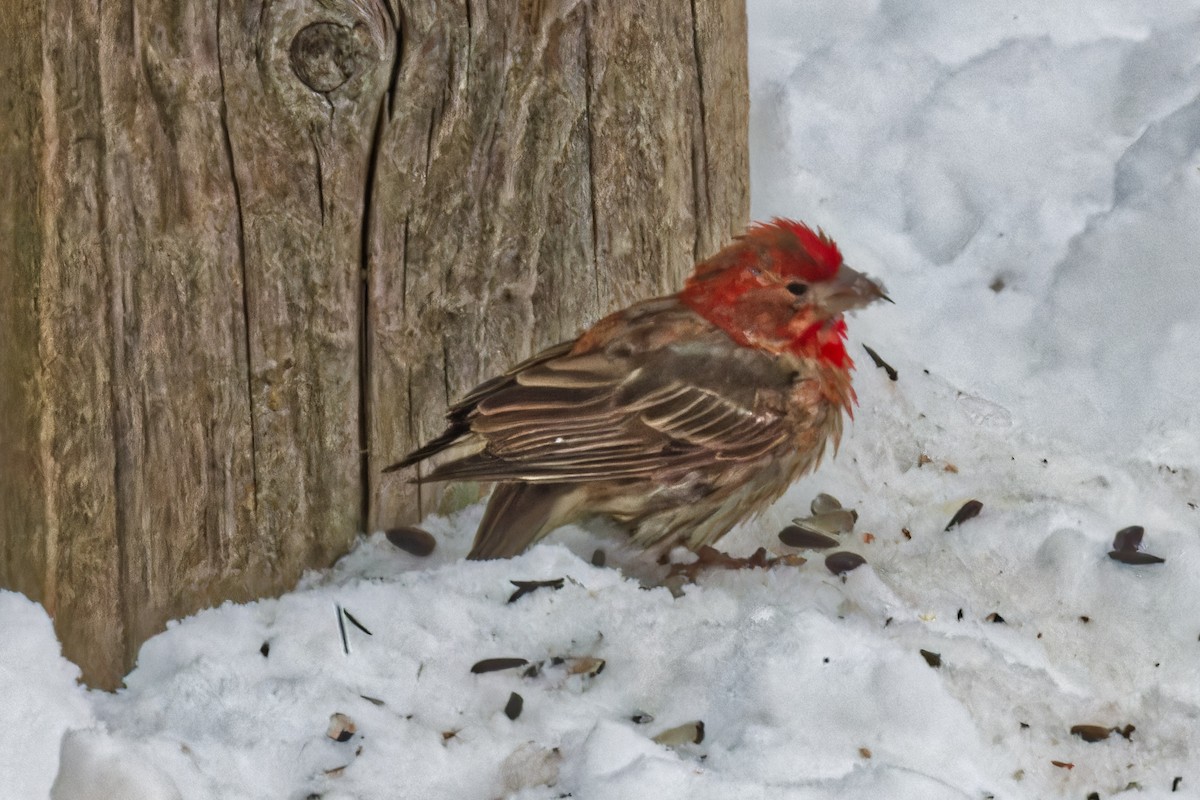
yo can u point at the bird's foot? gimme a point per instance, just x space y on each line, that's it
712 558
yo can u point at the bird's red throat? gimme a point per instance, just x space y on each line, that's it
803 334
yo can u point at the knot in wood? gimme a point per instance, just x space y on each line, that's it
325 55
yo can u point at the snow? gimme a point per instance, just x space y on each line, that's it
1025 177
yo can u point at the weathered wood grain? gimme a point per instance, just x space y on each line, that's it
250 250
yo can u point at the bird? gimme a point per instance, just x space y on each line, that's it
676 417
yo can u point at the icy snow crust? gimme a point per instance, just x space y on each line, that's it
1025 178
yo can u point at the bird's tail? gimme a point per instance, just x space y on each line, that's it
518 514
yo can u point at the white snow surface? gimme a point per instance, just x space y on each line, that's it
1025 178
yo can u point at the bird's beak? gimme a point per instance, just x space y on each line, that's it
849 290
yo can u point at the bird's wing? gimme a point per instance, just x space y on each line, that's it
456 417
628 410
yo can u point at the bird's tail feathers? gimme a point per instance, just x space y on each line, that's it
518 514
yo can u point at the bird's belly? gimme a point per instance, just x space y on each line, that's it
696 512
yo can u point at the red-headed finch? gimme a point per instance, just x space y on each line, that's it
678 416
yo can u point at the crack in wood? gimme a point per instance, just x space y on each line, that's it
227 140
699 171
364 331
404 270
312 136
591 172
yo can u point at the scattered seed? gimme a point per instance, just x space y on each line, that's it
1129 538
1024 725
843 561
342 629
960 615
1091 733
970 509
265 649
881 364
806 538
497 664
372 700
953 470
1135 557
998 284
923 459
589 666
1125 732
932 659
823 504
341 727
526 587
1085 619
864 752
1063 764
906 533
641 717
994 617
598 558
413 540
868 538
512 709
687 733
336 772
356 623
448 735
840 520
1175 783
1093 796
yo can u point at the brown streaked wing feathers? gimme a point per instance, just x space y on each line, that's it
456 416
580 419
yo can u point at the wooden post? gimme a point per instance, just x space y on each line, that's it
249 250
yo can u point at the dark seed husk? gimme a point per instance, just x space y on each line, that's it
356 623
341 727
497 664
1129 538
512 709
265 649
824 503
843 561
1091 733
805 537
526 587
994 617
412 540
1135 557
969 509
879 362
932 659
641 717
598 558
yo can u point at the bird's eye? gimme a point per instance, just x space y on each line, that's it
797 288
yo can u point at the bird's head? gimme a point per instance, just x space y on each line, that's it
782 287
